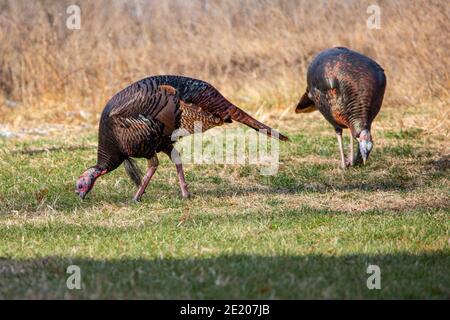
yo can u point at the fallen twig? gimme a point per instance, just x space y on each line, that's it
52 149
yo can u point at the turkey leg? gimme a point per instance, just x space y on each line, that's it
341 149
351 160
176 159
152 165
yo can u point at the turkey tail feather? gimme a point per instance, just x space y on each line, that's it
242 117
305 105
133 171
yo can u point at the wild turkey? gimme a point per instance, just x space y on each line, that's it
347 88
139 121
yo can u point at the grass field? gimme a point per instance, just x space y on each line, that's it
309 232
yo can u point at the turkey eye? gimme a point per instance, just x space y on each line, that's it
80 186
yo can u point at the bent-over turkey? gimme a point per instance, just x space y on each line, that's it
138 122
347 88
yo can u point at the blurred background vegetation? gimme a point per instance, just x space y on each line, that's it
255 52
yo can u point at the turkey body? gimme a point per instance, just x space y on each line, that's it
347 88
140 120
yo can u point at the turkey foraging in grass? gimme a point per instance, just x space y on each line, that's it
138 122
348 89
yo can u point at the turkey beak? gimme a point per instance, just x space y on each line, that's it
365 147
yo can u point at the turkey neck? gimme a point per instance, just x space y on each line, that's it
109 156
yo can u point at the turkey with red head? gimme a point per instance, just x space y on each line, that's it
139 122
347 88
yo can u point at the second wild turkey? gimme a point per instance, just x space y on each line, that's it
347 88
138 122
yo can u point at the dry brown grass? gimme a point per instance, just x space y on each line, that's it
255 52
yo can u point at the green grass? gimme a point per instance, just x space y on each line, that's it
308 232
